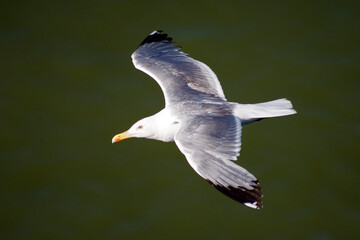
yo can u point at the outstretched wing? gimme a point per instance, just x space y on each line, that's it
180 77
209 144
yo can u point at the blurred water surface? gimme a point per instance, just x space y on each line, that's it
68 85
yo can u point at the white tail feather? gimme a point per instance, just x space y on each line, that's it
253 112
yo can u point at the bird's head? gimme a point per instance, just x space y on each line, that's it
141 129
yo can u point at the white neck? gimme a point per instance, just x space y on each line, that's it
164 125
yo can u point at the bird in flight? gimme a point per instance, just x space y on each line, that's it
197 117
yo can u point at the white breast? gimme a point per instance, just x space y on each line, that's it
166 126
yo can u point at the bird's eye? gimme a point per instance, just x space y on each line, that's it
140 127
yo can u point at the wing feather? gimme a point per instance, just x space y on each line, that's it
180 77
209 143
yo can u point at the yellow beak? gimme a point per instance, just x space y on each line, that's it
121 136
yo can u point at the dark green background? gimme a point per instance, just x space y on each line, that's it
68 85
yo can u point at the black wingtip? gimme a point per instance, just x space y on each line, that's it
156 36
250 198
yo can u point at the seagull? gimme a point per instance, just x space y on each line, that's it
197 117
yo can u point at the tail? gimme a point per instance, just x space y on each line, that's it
249 113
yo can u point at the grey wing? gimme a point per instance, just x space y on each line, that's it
180 77
209 144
